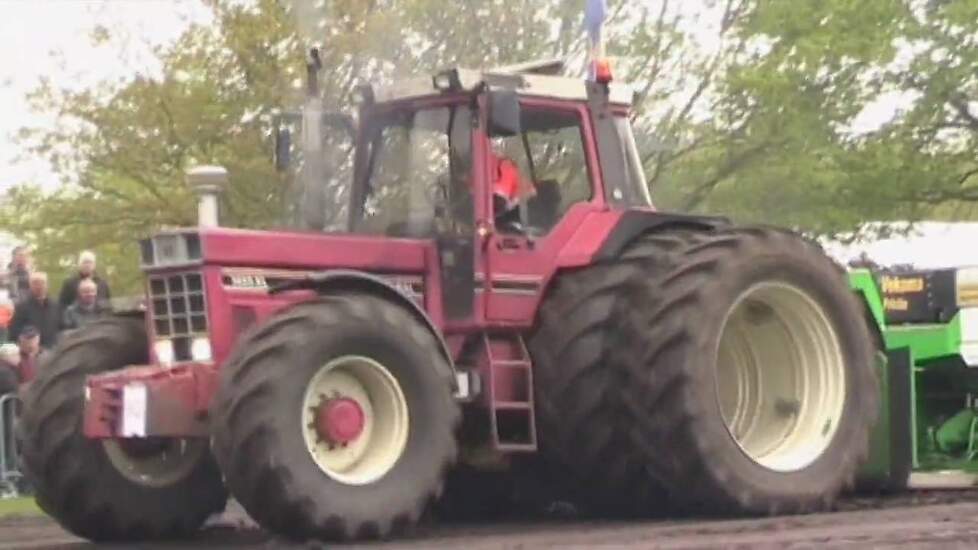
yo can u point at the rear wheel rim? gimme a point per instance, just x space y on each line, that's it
155 462
781 377
385 427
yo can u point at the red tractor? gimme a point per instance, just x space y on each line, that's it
330 380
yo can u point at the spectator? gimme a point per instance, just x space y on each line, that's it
9 365
6 312
5 278
29 346
19 271
86 270
37 310
86 307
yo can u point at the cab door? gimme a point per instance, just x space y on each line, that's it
455 239
556 164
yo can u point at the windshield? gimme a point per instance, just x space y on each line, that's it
417 174
632 190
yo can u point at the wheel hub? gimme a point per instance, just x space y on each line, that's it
355 419
339 420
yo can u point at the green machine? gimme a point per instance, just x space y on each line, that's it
926 326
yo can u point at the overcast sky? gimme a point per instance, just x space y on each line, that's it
51 38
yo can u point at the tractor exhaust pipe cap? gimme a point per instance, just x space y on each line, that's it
207 182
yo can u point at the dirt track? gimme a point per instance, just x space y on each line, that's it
894 523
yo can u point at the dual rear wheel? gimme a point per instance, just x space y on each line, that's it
724 372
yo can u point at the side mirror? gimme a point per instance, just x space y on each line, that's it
283 149
504 113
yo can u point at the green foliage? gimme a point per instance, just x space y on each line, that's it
19 507
124 151
821 65
745 108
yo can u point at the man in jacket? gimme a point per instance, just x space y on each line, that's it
37 310
6 312
18 274
86 308
509 188
29 345
86 270
9 368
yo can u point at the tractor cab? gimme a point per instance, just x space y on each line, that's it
512 148
508 151
496 168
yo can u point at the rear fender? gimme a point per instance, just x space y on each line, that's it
868 294
634 223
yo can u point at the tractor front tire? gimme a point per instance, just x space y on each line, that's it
747 371
305 474
116 490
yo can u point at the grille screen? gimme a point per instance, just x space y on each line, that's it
179 307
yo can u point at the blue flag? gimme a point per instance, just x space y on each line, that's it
595 12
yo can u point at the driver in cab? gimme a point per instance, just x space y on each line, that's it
508 189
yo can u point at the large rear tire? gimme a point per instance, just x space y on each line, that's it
726 372
117 490
748 378
302 480
583 440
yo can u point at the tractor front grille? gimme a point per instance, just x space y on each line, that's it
179 308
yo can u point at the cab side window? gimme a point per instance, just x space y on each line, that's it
552 168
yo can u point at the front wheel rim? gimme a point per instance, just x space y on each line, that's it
155 463
383 436
781 377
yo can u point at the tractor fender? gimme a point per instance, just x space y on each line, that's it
332 281
634 223
128 306
871 300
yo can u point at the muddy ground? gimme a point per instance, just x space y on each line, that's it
948 520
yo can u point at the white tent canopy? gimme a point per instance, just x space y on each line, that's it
928 245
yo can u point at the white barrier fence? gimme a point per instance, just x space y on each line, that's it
11 478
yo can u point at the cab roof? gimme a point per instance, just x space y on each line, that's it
534 79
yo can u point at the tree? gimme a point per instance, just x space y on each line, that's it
775 149
812 69
929 153
125 150
745 108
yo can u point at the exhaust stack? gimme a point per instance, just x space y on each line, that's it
207 182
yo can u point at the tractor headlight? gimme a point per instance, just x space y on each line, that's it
966 287
164 351
200 349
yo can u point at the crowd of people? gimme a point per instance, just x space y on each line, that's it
32 320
